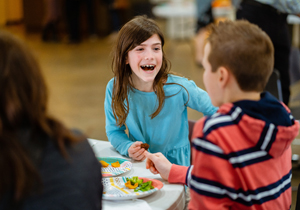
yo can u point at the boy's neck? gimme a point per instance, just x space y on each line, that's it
239 95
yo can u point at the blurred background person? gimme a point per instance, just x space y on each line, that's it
118 10
210 11
204 18
52 16
271 17
141 7
42 163
73 18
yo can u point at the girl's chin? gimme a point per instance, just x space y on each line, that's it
147 80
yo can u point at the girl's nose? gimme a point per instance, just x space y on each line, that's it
149 55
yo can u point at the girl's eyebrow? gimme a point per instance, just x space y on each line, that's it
158 43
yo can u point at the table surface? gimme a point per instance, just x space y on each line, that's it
171 196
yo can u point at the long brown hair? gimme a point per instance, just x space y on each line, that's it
132 34
23 101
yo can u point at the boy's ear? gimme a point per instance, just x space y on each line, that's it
223 76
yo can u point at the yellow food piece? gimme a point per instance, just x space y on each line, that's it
130 186
104 164
115 164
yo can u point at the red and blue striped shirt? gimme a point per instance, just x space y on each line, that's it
241 157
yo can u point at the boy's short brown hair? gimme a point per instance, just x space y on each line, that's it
245 50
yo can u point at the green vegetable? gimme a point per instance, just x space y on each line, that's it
142 186
134 180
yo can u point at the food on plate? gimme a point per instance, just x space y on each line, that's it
104 164
144 187
131 186
138 184
115 164
134 180
145 146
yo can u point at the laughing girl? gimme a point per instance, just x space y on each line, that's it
148 99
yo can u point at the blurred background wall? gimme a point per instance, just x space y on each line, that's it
11 11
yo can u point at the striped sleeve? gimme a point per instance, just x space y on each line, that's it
180 174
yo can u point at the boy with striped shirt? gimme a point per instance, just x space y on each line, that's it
242 153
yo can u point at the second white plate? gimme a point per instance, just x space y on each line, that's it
125 166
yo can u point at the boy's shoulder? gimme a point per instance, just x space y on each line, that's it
211 124
218 133
240 120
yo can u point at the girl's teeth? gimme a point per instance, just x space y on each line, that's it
147 67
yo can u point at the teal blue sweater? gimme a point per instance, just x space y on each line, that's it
168 131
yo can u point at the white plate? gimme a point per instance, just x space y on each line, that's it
125 166
114 188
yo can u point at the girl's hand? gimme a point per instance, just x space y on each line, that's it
136 152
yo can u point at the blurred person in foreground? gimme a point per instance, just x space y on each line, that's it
43 165
242 154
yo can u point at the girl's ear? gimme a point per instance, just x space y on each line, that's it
126 60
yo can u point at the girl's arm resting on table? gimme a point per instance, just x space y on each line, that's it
125 146
115 134
120 141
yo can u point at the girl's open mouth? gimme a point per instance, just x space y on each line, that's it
148 67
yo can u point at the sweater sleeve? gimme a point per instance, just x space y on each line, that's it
116 135
198 99
180 174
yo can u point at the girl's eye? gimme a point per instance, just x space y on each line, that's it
157 48
140 49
